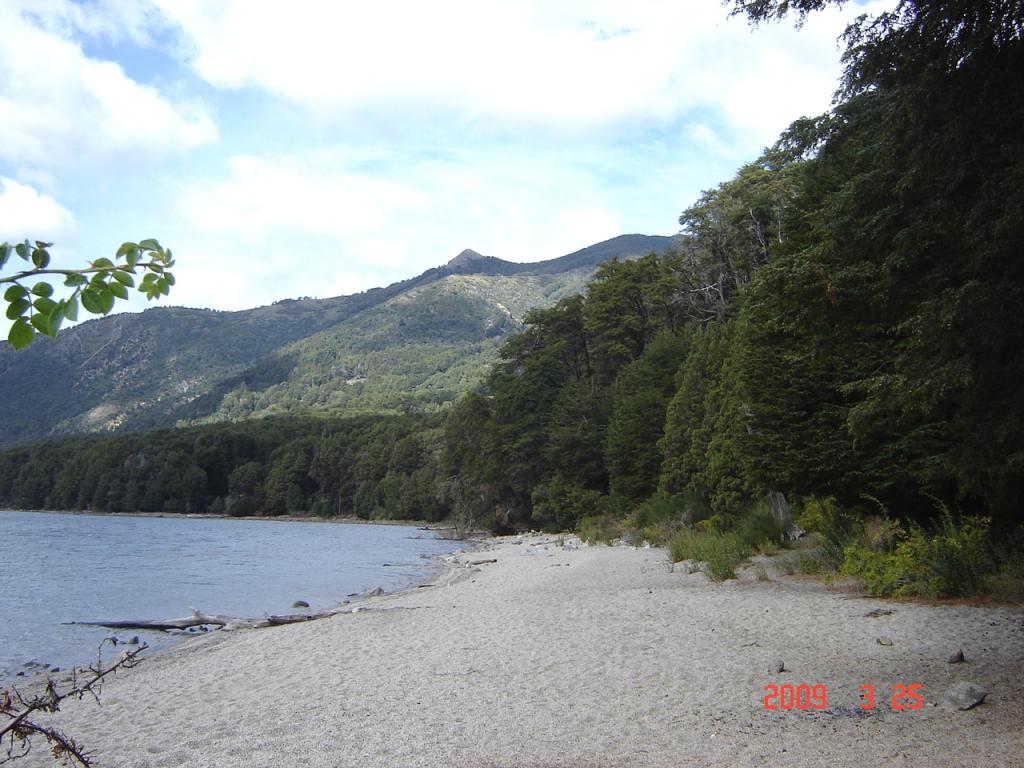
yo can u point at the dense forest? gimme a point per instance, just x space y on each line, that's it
841 320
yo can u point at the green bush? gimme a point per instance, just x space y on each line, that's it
558 504
815 513
839 530
599 529
883 574
721 551
657 519
953 559
758 525
654 511
724 552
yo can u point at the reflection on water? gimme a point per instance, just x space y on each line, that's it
58 568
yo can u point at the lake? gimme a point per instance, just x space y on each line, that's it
57 568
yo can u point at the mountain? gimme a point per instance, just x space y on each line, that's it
411 346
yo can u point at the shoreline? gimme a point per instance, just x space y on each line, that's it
432 567
347 520
543 655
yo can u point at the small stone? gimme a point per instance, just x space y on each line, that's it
884 641
956 658
54 669
375 592
134 640
778 665
300 604
964 695
878 612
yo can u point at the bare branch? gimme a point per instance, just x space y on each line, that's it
16 734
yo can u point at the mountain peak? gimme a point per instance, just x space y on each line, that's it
465 258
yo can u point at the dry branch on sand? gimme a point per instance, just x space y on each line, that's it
20 709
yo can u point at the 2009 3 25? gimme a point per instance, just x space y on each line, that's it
788 696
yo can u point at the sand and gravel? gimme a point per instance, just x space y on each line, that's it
553 656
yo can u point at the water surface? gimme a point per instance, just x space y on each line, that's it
56 568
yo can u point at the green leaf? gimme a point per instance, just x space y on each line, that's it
41 244
149 245
5 253
40 258
126 249
14 293
23 250
42 289
169 277
21 334
132 259
71 309
99 279
40 322
91 301
118 290
44 305
103 263
75 279
17 308
124 278
55 320
107 300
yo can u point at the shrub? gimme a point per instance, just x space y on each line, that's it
883 574
758 525
812 513
657 519
558 504
839 531
953 559
599 529
722 552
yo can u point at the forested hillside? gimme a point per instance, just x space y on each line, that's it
172 365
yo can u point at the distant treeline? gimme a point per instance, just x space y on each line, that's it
372 467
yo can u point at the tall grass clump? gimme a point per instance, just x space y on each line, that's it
721 551
838 528
759 525
723 548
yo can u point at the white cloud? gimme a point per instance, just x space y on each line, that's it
331 224
27 213
60 107
572 65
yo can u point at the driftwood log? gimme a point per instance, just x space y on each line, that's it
199 619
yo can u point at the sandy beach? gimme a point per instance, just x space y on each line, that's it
556 656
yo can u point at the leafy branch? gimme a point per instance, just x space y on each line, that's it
33 308
17 733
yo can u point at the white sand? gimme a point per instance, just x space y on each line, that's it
551 657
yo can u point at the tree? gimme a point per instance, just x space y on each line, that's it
33 307
908 248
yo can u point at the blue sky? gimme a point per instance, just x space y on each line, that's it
323 148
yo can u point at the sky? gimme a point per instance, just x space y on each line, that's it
320 148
